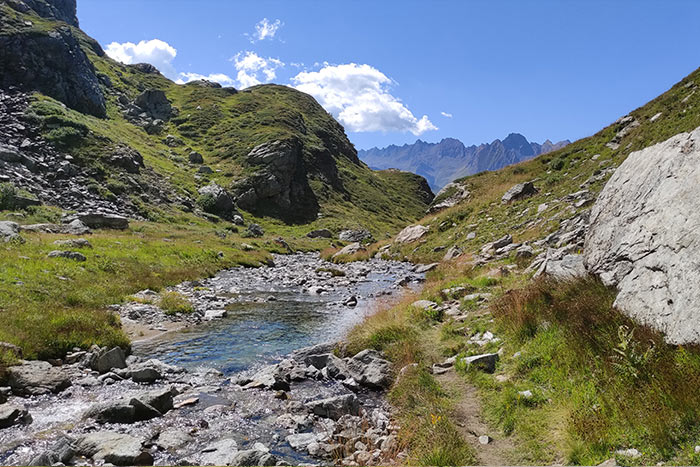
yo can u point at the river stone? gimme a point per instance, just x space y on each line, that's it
173 438
643 238
221 452
12 414
335 407
301 440
369 369
115 448
160 399
411 234
268 378
113 358
37 377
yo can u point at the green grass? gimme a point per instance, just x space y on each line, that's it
601 382
52 305
173 303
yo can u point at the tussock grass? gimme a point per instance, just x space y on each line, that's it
601 382
173 303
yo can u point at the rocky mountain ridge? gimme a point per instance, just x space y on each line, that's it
448 160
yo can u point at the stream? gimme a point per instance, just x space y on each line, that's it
270 312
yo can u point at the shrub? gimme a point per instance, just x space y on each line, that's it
207 202
64 136
8 193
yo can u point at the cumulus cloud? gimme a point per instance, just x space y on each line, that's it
155 51
221 78
265 30
253 69
161 55
446 115
358 96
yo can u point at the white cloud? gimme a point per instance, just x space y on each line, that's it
161 55
156 52
253 69
446 115
221 78
265 30
358 96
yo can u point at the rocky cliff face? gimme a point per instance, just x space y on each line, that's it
35 56
450 159
644 239
61 10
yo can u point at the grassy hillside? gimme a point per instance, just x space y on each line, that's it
577 382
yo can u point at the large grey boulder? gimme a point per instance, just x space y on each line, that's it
37 377
278 184
349 250
568 267
643 238
99 220
411 234
357 235
115 448
113 358
154 103
370 369
214 199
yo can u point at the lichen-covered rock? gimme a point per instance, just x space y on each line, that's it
643 238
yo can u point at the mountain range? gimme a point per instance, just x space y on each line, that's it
443 162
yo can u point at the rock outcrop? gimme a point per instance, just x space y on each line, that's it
53 63
62 10
643 238
279 182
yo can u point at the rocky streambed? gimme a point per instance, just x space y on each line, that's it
252 377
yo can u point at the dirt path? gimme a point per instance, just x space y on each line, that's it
467 417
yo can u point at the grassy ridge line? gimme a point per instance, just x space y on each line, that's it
52 305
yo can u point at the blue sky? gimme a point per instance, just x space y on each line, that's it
395 71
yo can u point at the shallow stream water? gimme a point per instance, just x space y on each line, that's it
272 311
